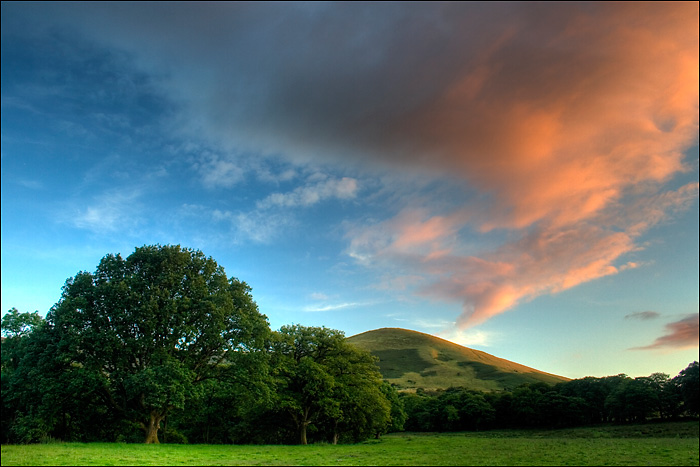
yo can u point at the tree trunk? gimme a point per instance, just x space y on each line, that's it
336 436
302 434
304 422
152 428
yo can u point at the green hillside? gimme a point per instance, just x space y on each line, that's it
411 360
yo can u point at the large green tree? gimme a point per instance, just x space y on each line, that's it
146 330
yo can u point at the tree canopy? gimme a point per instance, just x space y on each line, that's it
323 380
147 329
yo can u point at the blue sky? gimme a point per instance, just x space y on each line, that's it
518 178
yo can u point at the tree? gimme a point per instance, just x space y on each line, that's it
363 410
474 410
326 383
665 393
420 411
688 382
594 391
398 413
16 324
146 330
16 330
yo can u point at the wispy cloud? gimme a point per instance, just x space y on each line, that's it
334 306
31 184
545 259
220 171
274 215
319 296
312 193
256 226
681 334
116 210
643 315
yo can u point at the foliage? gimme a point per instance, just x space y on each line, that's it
16 324
585 401
221 412
688 384
138 336
397 414
16 327
164 342
455 409
328 386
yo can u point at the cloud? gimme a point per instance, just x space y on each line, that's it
313 193
110 212
333 306
319 296
467 338
31 184
681 334
519 99
643 315
565 119
256 226
218 171
544 259
272 217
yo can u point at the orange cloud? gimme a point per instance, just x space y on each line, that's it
543 260
571 120
558 123
417 229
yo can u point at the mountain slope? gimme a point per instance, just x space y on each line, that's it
411 360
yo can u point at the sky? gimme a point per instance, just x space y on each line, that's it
518 178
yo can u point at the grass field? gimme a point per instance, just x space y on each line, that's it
649 444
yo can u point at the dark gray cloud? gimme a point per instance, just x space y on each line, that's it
509 96
643 315
556 113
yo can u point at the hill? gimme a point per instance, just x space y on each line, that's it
411 360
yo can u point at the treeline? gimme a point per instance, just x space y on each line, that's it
579 402
307 385
163 345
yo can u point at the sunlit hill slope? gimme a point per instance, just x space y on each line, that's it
411 360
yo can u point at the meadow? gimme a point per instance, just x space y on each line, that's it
647 444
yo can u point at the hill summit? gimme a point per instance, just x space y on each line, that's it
412 360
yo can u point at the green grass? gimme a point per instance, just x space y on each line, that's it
649 444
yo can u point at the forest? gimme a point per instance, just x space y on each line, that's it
162 346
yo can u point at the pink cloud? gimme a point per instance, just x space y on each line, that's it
680 335
543 260
572 119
